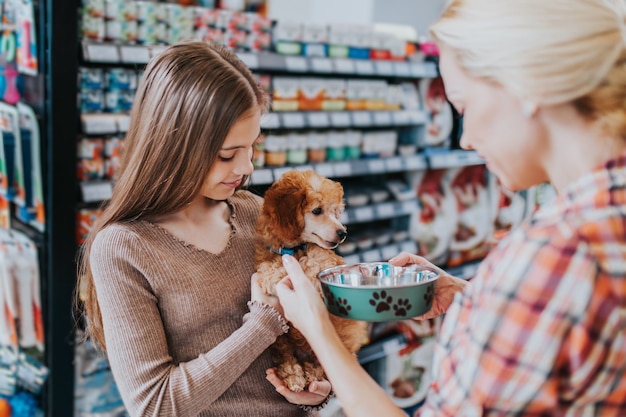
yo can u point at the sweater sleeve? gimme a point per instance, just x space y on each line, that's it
149 382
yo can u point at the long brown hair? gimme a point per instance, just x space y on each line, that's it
190 96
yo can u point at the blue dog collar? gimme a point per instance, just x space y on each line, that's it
287 251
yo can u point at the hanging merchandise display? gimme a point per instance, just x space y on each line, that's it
26 38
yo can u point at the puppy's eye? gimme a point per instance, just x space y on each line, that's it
317 211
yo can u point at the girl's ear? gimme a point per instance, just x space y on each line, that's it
284 206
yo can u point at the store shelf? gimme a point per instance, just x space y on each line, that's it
109 53
415 162
99 190
342 119
379 211
112 123
452 158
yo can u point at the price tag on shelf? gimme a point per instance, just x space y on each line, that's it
409 207
416 116
156 50
372 255
97 124
386 210
95 191
123 122
389 251
101 52
400 118
325 169
296 64
344 66
250 59
364 67
352 259
376 166
262 176
314 49
303 167
340 119
364 214
278 172
361 118
418 69
394 164
409 246
402 69
382 118
455 159
323 65
293 120
384 68
134 54
318 119
270 121
343 169
415 163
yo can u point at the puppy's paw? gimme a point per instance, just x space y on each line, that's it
292 376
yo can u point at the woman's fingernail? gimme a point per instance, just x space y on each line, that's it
286 259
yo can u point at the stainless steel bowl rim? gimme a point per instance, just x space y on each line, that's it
436 276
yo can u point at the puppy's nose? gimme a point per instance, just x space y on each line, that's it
342 234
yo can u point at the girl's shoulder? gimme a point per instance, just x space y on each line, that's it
122 234
245 201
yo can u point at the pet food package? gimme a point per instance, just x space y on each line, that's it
401 361
439 115
508 208
474 225
433 226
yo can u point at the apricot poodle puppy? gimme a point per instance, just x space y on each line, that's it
301 217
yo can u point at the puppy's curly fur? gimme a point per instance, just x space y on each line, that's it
302 210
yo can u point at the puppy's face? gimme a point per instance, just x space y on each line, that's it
304 207
322 211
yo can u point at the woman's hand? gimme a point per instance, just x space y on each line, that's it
445 287
314 395
259 296
301 302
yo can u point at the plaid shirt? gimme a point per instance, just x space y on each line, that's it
541 331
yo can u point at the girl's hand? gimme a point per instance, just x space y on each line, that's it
314 395
445 287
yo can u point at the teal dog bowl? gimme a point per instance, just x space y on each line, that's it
378 291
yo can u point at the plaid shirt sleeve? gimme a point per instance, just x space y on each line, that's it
541 330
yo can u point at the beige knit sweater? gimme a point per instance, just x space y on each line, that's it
180 338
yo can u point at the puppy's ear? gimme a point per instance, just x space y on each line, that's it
284 207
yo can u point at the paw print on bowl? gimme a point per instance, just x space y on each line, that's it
402 307
381 300
343 307
429 295
330 297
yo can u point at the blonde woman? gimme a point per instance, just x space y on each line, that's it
541 329
166 271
